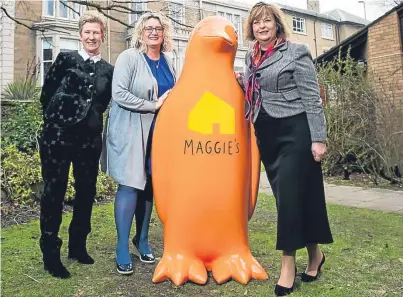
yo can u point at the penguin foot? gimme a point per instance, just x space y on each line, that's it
180 269
240 267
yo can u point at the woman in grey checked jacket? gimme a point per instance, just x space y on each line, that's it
283 101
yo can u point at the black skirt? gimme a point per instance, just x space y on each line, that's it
296 180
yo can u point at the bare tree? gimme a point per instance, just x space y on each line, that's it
104 7
386 3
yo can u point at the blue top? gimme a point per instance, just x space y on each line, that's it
162 74
165 81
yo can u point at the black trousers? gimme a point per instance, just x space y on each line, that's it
59 148
296 180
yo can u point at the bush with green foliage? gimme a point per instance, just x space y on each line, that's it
21 168
21 128
21 90
22 179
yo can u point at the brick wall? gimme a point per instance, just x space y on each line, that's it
118 35
25 39
385 56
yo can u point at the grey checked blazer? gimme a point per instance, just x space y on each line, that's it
289 86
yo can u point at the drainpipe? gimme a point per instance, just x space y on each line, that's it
314 37
109 34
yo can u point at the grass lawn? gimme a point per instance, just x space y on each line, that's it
365 260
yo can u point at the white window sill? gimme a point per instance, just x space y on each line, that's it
300 33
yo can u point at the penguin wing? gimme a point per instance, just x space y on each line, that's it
255 171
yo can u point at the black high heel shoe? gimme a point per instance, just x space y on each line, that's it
283 291
145 258
125 269
306 278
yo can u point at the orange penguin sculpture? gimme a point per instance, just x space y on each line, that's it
206 166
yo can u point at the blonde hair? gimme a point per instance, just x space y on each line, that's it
92 16
259 11
137 38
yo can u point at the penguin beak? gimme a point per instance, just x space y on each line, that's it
223 35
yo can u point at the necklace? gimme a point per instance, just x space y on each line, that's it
158 63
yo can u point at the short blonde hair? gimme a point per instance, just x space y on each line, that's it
259 11
137 40
92 16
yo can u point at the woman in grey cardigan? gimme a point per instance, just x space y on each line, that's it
283 99
141 82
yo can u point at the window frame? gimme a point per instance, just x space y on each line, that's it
326 28
133 17
71 15
238 26
180 11
301 21
54 40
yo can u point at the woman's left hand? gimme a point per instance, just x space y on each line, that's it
318 150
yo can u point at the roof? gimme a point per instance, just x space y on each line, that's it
357 38
333 16
345 17
307 12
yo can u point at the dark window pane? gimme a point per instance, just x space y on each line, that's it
47 54
46 66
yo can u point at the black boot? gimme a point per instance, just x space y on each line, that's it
78 249
50 248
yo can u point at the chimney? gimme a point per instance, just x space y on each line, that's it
313 5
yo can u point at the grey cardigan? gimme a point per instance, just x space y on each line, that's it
134 96
289 86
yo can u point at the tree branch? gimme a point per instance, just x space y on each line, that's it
17 21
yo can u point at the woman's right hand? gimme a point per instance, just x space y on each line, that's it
161 100
239 78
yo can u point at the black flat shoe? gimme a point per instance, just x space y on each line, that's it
306 278
283 291
125 269
145 258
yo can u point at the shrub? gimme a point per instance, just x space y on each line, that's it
364 125
22 127
21 90
22 179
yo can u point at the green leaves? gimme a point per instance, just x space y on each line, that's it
21 90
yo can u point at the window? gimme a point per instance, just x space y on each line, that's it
47 56
63 10
176 10
49 50
236 20
68 45
49 7
139 8
238 27
59 9
298 25
327 31
229 16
